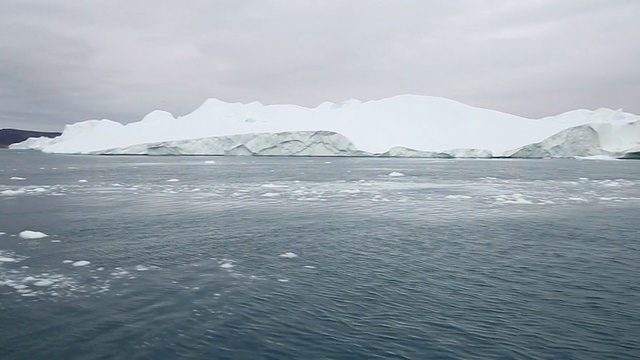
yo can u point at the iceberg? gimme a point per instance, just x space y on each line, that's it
400 126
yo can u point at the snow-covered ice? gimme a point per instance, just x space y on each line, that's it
404 126
28 234
81 263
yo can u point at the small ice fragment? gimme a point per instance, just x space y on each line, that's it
289 255
283 280
309 266
55 241
273 186
81 263
396 174
43 282
271 194
173 180
327 162
17 178
209 162
28 234
7 259
12 192
67 261
227 265
2 233
82 181
141 268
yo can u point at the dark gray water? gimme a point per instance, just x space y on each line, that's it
276 258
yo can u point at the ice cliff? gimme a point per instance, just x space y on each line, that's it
401 126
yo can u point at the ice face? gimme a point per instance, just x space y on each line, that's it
405 125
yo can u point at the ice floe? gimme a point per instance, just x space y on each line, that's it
288 255
28 234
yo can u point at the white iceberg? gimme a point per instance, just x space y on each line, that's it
405 126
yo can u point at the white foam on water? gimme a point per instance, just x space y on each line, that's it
82 181
7 259
288 255
43 282
227 265
81 263
17 178
173 180
512 199
579 199
28 234
395 174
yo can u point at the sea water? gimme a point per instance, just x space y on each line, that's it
306 258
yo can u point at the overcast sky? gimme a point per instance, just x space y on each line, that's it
66 61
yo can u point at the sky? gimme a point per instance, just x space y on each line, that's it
66 61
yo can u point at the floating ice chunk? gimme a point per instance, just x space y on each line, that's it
457 197
289 255
67 261
283 280
396 174
7 259
81 263
309 267
28 234
141 268
209 162
173 180
39 190
2 233
350 191
512 199
271 194
55 241
13 192
579 199
43 282
274 186
226 265
18 178
82 181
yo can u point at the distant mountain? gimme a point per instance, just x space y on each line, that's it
12 136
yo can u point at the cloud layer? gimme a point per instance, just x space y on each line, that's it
67 61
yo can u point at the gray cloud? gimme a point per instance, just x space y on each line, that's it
68 61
